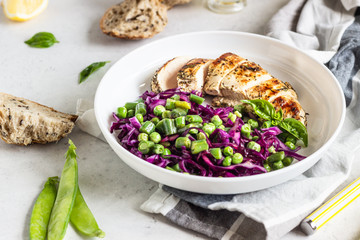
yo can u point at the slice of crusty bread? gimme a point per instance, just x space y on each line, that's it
170 3
134 19
24 122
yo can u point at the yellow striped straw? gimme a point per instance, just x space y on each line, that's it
328 210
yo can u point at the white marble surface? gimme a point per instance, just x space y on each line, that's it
113 191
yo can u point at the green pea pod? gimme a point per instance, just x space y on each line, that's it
42 209
83 220
65 198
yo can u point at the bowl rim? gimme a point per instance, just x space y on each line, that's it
112 141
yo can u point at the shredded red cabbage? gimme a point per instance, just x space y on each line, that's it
203 163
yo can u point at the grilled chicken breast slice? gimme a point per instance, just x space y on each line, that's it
166 76
192 75
218 69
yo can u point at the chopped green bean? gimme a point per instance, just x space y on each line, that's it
177 112
182 104
209 128
246 130
196 99
201 135
267 167
199 146
216 153
287 161
237 158
166 114
180 122
140 108
166 126
238 114
170 104
222 127
277 165
158 149
145 146
278 156
253 123
254 146
194 119
122 112
182 141
143 137
130 105
166 152
228 151
177 168
155 137
158 110
148 127
139 117
290 145
232 117
216 120
271 149
175 97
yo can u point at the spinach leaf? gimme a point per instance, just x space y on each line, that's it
295 128
84 74
262 108
42 40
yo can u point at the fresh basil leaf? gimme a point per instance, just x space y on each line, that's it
295 128
42 40
262 108
90 70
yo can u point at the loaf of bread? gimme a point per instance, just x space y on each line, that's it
24 122
134 19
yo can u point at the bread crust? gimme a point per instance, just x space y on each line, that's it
24 122
134 19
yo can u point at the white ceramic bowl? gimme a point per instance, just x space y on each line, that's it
318 90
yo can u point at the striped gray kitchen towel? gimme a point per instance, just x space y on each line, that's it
329 32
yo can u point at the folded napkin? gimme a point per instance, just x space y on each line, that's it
326 31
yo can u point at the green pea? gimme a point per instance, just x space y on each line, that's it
287 161
254 146
40 215
122 112
82 218
275 157
155 120
228 151
216 153
158 149
277 165
68 186
177 168
227 161
216 120
166 152
155 137
237 158
290 145
143 137
291 138
253 123
158 110
139 117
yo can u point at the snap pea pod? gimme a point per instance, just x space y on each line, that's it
42 209
65 198
82 218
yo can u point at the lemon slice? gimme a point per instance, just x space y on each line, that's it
23 10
